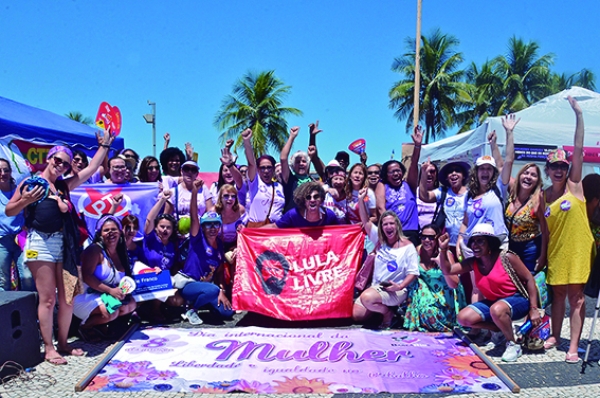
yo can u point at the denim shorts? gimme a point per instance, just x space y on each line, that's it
41 246
519 307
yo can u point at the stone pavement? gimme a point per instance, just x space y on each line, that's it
539 375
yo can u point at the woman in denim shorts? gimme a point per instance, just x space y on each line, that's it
45 213
505 289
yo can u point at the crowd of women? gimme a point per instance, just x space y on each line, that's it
452 246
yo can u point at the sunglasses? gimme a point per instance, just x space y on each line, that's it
455 170
167 217
477 241
153 168
372 173
212 224
59 162
315 196
227 196
190 170
266 168
78 160
118 167
428 237
559 166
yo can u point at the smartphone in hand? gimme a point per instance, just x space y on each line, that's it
386 283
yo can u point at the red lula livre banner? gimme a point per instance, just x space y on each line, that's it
297 274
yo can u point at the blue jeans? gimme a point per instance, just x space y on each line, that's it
11 252
202 294
519 307
529 251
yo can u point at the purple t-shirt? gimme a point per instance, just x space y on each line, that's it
292 219
201 257
157 254
403 202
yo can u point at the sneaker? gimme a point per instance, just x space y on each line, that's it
192 316
512 352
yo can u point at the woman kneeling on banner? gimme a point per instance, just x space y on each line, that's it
434 302
104 263
507 285
396 266
203 268
309 210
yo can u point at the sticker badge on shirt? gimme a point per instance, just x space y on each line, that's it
392 266
565 205
450 202
31 254
547 212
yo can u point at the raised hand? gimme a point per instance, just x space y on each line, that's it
247 135
417 135
116 199
227 157
197 185
229 143
105 138
166 193
313 128
444 241
362 193
294 131
574 105
167 137
363 158
312 151
510 121
189 150
492 137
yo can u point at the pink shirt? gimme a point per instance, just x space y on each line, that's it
495 285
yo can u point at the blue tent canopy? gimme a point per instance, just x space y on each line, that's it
37 125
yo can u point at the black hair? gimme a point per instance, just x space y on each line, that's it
143 172
168 154
121 247
386 166
165 216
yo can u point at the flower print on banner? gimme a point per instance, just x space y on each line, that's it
301 385
472 363
438 353
155 344
252 387
458 351
443 388
457 377
344 389
97 383
138 372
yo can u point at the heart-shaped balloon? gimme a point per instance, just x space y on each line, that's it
109 116
359 146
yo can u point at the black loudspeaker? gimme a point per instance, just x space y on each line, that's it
19 335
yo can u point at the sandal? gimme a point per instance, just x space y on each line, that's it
75 352
56 361
548 345
572 358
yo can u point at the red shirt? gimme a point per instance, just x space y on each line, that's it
495 285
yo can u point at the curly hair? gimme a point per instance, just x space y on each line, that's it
365 183
230 189
168 154
384 169
304 190
473 184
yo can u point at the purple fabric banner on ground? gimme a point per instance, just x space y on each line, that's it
93 200
298 361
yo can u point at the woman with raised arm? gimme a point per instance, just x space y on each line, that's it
44 248
294 172
104 264
508 287
228 172
571 243
396 266
178 202
397 194
266 196
356 181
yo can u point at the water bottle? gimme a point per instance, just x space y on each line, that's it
522 331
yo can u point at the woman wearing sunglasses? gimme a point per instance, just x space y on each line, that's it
149 170
179 201
47 249
571 241
309 210
232 215
201 281
435 300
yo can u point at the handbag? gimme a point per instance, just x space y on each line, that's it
365 273
535 339
544 294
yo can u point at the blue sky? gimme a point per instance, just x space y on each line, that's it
67 56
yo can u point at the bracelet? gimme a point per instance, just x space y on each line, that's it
417 146
105 146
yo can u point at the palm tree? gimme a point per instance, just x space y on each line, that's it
442 91
584 78
256 103
526 76
78 117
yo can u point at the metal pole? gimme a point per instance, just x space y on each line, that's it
153 105
417 68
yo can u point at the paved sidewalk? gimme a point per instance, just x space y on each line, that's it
539 375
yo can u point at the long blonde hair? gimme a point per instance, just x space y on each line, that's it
381 235
516 189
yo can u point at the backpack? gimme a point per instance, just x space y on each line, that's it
439 215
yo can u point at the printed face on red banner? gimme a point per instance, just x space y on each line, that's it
295 274
359 146
109 116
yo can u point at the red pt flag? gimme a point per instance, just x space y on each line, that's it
298 273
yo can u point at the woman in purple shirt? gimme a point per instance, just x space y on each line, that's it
309 210
397 194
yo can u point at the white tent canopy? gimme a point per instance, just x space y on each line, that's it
549 122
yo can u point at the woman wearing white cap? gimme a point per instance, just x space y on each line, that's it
507 285
179 202
571 243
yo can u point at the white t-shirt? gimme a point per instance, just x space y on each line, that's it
454 207
260 195
352 205
425 211
488 209
183 200
339 207
393 264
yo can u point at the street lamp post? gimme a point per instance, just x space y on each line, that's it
151 118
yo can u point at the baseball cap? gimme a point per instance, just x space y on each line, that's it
557 155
